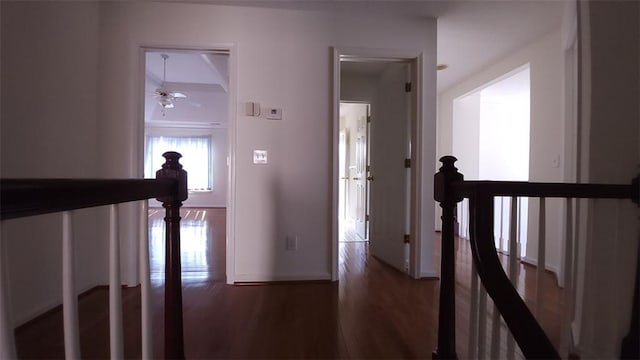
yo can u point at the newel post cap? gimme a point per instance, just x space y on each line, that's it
172 169
446 175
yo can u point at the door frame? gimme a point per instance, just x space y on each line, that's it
231 133
417 59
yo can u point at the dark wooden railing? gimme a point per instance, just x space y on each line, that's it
28 197
450 188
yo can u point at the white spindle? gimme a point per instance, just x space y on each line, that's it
7 342
502 247
482 324
495 333
513 263
463 219
568 276
541 256
145 279
473 315
519 237
467 225
69 295
497 224
115 290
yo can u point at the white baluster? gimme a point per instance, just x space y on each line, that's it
473 315
145 279
541 256
501 242
513 263
7 342
69 295
115 290
495 333
568 276
482 324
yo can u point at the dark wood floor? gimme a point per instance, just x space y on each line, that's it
373 312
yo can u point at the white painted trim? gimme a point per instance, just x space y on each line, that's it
416 58
239 278
232 91
71 324
231 162
335 171
429 275
146 317
116 337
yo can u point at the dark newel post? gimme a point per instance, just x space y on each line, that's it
173 334
446 196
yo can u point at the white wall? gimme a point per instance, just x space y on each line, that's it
608 249
547 128
283 61
466 125
49 129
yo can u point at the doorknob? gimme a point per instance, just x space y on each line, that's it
344 178
356 178
369 178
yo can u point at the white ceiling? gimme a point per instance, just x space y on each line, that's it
471 33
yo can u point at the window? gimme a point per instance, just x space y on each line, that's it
196 158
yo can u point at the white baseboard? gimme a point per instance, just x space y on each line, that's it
240 278
429 275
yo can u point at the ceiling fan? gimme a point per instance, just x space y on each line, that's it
165 97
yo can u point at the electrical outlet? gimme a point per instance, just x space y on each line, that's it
292 242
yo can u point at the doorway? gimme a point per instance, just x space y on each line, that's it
353 198
384 180
186 109
491 135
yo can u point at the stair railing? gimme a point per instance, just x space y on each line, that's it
450 189
28 197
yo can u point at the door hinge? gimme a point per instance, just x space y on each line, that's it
366 217
368 118
407 163
407 87
407 238
368 168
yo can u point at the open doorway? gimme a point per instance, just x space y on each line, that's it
353 197
491 136
186 109
376 182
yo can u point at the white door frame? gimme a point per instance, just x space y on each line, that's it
231 134
362 54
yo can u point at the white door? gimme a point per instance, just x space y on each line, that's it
389 146
361 173
353 117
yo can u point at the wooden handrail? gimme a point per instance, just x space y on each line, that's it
449 189
29 197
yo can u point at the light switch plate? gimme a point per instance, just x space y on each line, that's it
259 156
274 114
252 109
